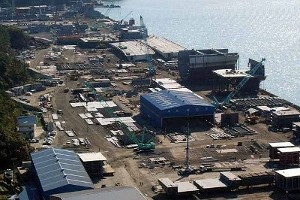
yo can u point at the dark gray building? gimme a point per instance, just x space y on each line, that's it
198 65
284 119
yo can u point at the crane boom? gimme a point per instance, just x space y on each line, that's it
121 21
241 84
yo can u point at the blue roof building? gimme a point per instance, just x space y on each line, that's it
27 126
170 104
59 171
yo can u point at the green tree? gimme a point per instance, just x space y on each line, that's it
12 73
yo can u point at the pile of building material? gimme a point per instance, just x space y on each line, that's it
179 138
239 130
241 104
257 178
70 133
218 134
94 104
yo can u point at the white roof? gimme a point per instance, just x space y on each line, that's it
186 187
228 73
89 122
209 183
88 115
230 176
263 108
281 144
88 157
163 45
167 182
171 85
82 115
294 172
133 48
70 133
164 80
289 149
107 121
54 116
94 104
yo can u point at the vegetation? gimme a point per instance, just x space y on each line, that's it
7 3
12 145
12 71
13 148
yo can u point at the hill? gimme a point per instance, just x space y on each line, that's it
12 73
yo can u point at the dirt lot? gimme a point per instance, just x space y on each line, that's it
134 169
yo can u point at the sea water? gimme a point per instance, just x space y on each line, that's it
253 28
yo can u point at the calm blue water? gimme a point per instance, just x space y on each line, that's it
253 28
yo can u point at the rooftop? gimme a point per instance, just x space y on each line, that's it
289 149
92 39
162 81
209 183
286 112
287 173
228 73
133 48
230 176
88 157
184 187
167 182
281 144
297 124
58 167
109 193
27 120
166 99
163 45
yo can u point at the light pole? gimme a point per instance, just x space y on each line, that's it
187 157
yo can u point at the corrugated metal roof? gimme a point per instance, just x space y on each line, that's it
57 167
27 120
109 193
167 99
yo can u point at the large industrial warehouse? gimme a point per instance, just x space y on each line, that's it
59 171
168 106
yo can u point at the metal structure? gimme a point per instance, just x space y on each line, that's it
239 86
121 21
151 69
143 143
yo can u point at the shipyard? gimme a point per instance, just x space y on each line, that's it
119 113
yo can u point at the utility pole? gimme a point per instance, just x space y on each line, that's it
13 5
187 157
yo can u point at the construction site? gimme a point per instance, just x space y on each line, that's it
172 122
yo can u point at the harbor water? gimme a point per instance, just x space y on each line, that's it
254 28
